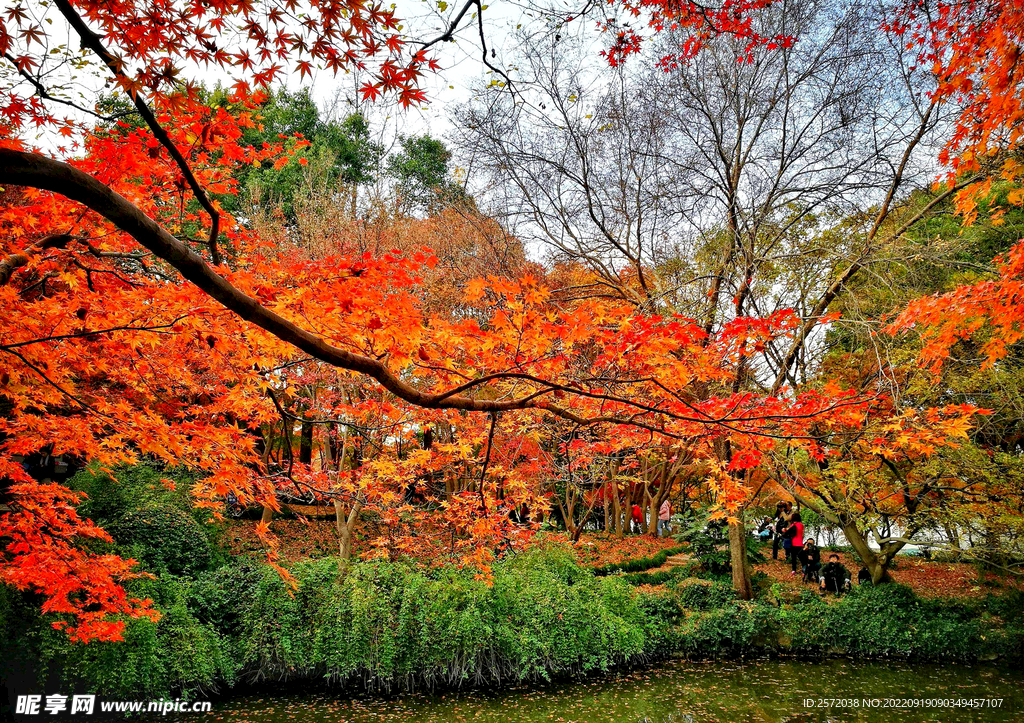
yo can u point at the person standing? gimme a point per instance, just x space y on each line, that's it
664 517
786 523
796 543
638 516
778 525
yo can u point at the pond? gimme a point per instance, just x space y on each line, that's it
676 691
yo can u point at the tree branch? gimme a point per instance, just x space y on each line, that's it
16 260
93 42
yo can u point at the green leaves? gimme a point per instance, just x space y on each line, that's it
165 539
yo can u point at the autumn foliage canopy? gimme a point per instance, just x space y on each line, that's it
142 321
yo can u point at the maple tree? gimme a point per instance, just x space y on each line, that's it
649 157
974 48
884 478
124 341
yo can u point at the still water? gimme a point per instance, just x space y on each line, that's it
679 691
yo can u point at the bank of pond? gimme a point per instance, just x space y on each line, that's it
387 626
763 690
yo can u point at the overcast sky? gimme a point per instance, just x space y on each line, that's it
461 62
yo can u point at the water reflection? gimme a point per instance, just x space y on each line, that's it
759 691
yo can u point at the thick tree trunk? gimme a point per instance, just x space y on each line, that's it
876 563
738 556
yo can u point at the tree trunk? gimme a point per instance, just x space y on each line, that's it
617 509
607 509
346 526
306 444
952 534
738 555
650 514
877 564
567 509
994 554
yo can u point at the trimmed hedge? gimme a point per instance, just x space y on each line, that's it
639 564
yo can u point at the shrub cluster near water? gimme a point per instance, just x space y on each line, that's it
387 624
382 624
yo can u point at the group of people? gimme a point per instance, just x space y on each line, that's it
664 519
787 531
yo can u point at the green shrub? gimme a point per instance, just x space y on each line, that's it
221 597
654 578
639 564
883 621
1008 606
177 654
731 630
709 545
702 595
165 539
386 623
135 487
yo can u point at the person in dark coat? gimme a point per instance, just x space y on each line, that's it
783 512
833 575
812 561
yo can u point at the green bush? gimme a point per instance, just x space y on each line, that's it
709 545
884 621
639 564
177 653
700 595
109 499
220 598
654 578
1008 606
388 624
165 539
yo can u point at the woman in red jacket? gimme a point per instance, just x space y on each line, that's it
796 529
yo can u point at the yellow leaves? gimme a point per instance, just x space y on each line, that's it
476 290
967 199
